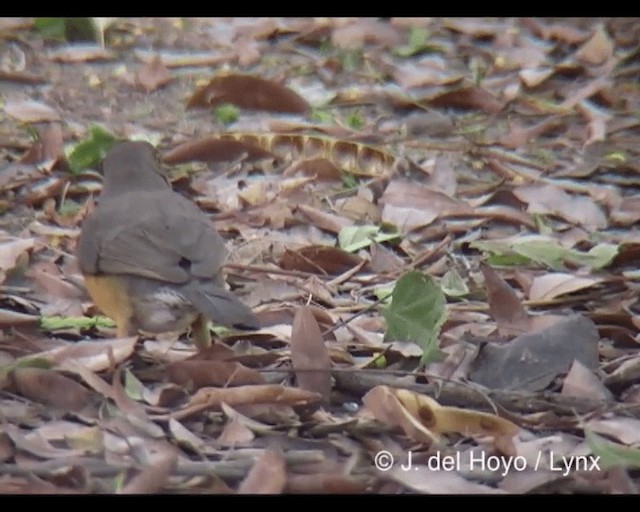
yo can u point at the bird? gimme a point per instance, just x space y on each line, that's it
150 258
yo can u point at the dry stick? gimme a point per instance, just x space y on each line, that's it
269 270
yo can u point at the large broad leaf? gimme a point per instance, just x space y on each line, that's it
89 153
607 453
416 313
354 238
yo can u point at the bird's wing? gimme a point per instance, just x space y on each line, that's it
154 235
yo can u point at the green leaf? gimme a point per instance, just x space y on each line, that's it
354 238
417 43
67 29
322 116
87 154
226 114
416 313
56 323
355 120
349 181
599 256
383 293
547 252
453 285
132 386
544 250
51 28
612 454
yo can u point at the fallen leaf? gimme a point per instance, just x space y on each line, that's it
598 49
199 374
153 75
50 387
267 476
249 92
309 354
30 111
531 361
549 286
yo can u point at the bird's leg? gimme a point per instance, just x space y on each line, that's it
200 332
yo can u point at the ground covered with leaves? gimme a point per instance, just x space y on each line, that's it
433 219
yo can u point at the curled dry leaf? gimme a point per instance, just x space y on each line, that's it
319 259
215 149
598 49
12 250
419 416
199 374
467 98
267 476
552 285
50 388
309 354
212 398
30 111
551 199
162 459
153 75
533 360
94 355
249 92
504 305
235 432
408 205
583 383
81 52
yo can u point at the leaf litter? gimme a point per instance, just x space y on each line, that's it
432 218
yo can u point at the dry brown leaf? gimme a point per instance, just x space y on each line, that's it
34 443
161 461
325 483
551 199
453 419
321 169
382 403
175 59
408 205
153 75
360 31
323 220
622 429
212 398
47 149
199 374
425 480
30 111
249 92
319 259
467 98
534 77
81 52
94 355
422 418
505 306
552 285
309 354
583 383
598 49
214 149
50 388
13 252
234 433
267 476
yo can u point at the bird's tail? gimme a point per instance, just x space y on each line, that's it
220 306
